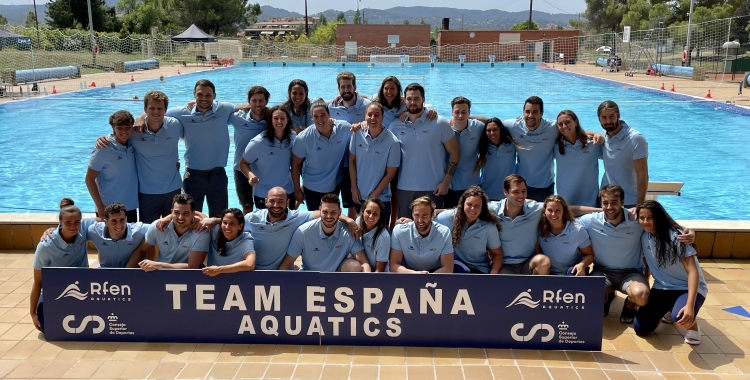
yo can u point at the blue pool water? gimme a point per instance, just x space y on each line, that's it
45 142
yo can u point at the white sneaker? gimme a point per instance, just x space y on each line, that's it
693 337
667 318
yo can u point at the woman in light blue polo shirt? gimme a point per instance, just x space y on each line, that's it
375 237
679 285
267 159
563 240
389 96
231 249
497 158
66 247
577 177
299 105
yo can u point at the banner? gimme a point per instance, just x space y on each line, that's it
284 307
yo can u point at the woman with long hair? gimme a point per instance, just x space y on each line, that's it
497 158
66 247
231 249
577 177
375 237
389 96
563 240
475 231
267 159
299 104
679 285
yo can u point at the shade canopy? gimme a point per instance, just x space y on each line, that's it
194 34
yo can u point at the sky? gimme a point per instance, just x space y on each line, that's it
316 6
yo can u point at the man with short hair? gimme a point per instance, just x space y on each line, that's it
519 230
206 147
179 246
247 125
468 132
421 245
424 144
111 176
326 244
352 107
625 155
116 239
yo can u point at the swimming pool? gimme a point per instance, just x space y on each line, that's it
45 142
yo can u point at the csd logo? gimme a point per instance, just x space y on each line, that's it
541 326
89 318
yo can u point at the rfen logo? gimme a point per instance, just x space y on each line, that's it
73 291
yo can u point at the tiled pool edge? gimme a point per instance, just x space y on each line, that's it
715 239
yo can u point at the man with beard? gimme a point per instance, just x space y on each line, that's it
326 244
421 245
424 144
179 246
625 155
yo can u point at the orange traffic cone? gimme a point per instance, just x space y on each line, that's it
132 79
93 84
662 86
672 90
54 90
178 71
565 68
708 96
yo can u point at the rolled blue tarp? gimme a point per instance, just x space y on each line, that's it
672 70
143 64
603 61
26 76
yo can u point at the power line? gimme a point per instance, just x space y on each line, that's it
551 5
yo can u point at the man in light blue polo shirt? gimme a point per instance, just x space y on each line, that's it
247 125
519 229
326 243
374 158
421 245
468 132
424 144
352 107
206 147
322 149
157 159
111 176
625 155
179 246
115 238
537 136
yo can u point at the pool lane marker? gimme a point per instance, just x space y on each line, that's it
738 310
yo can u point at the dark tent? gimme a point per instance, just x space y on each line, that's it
10 39
194 34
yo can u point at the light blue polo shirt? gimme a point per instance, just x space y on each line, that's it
175 249
156 158
501 162
468 143
271 162
272 239
518 236
475 240
577 177
422 253
245 129
234 251
535 161
116 253
378 252
353 114
615 247
672 276
321 252
305 120
422 152
117 179
620 151
322 169
373 156
55 252
392 114
206 135
564 250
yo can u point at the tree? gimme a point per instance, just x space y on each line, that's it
605 15
323 20
217 16
421 21
406 21
127 6
357 20
341 18
148 14
3 20
30 20
525 26
387 22
325 34
63 14
742 22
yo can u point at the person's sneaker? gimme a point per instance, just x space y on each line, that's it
667 318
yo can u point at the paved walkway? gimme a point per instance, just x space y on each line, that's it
723 353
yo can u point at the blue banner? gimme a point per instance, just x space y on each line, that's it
281 307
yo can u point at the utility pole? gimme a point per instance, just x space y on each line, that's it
307 26
531 6
690 26
91 32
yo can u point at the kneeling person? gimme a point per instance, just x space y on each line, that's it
326 244
421 246
231 249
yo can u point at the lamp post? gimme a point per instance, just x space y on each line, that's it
91 32
690 26
531 5
307 26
